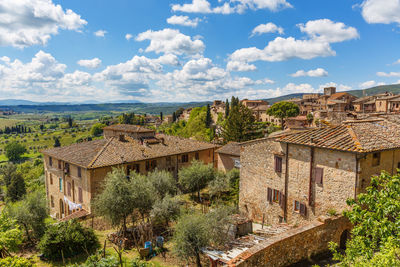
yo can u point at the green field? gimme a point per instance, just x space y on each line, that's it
5 122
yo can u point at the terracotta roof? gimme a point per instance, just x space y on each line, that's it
112 151
363 99
128 128
354 136
232 148
75 215
259 108
298 118
339 95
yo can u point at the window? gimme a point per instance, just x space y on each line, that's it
80 196
168 159
185 158
52 201
51 178
50 161
154 164
398 165
69 189
296 207
278 164
59 165
276 195
319 173
269 195
66 168
376 159
147 165
60 184
79 172
197 156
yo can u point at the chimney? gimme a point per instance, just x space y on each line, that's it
122 138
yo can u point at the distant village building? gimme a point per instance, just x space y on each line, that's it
298 176
74 174
228 157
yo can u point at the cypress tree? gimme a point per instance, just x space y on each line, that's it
16 190
208 117
226 108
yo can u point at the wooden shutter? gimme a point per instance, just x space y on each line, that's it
278 164
269 194
303 209
80 196
319 173
69 188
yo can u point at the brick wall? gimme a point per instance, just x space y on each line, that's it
294 245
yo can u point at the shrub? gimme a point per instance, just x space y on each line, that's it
97 261
15 262
67 239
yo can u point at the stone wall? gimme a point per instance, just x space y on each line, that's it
225 162
295 245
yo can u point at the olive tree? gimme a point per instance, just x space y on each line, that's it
163 182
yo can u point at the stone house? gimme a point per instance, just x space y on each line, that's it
228 156
297 122
75 173
388 104
300 175
253 103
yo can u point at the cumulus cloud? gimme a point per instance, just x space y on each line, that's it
388 74
229 7
319 72
171 41
381 11
100 33
90 63
321 34
128 36
325 30
339 87
183 21
240 66
32 22
369 84
396 62
267 28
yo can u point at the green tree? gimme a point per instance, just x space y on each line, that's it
310 118
67 239
117 199
240 125
195 177
97 129
14 151
17 189
57 142
219 185
375 215
173 117
143 194
30 213
8 171
15 262
227 108
165 210
208 116
283 110
10 235
163 182
161 116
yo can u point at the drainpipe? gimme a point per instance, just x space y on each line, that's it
310 196
286 183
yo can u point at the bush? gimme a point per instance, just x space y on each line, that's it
69 238
98 261
10 235
15 262
97 129
14 151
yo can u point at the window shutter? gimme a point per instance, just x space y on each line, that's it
269 195
319 173
278 164
80 195
303 209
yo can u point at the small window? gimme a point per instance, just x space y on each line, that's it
66 168
51 178
59 164
276 196
60 184
303 209
80 195
278 164
319 173
197 156
398 165
52 201
79 172
269 195
50 161
185 158
147 165
296 206
376 159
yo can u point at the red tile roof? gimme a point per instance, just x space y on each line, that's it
232 148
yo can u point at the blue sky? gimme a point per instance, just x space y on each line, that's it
193 50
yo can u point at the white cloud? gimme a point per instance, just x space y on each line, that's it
128 36
325 30
100 33
229 7
240 66
381 11
32 22
388 74
282 49
369 84
319 72
171 41
90 63
321 33
339 87
266 28
183 21
396 62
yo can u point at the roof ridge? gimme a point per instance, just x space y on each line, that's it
100 152
354 137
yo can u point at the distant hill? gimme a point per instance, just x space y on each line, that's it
393 88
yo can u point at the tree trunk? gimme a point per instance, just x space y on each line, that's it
198 262
27 232
198 195
124 227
